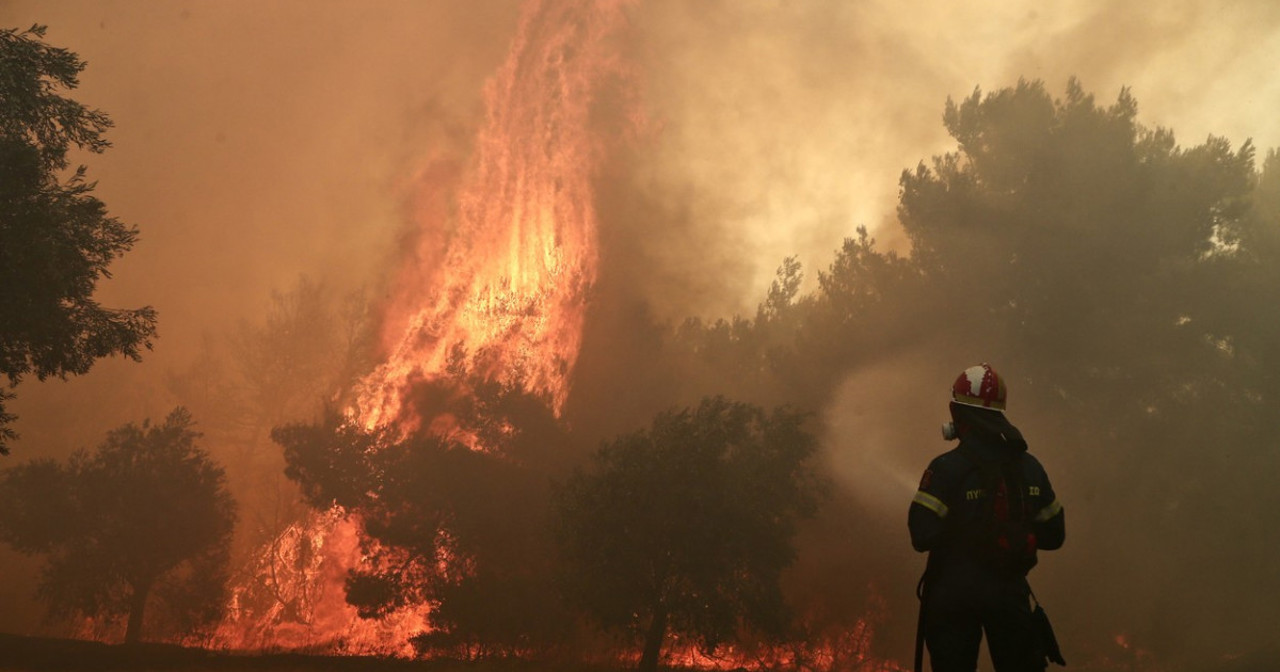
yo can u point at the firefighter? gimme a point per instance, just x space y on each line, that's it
982 511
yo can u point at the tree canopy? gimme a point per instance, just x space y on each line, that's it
1121 275
457 519
56 239
145 514
1124 283
686 526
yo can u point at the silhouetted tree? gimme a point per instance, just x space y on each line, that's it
145 514
1126 283
459 516
1059 218
309 347
56 239
686 526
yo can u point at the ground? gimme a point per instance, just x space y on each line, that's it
33 654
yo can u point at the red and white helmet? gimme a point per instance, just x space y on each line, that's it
979 386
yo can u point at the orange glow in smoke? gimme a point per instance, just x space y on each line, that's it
496 289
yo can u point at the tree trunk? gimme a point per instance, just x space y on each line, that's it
653 641
133 634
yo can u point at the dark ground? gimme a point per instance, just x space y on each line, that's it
37 654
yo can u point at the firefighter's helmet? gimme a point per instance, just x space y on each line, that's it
979 386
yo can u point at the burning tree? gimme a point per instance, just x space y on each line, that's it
458 530
686 526
479 339
146 514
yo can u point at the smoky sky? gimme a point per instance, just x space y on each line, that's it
257 142
788 124
254 143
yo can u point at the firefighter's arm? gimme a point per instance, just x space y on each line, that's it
928 513
1050 519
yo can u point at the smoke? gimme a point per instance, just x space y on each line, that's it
786 125
258 142
252 143
884 426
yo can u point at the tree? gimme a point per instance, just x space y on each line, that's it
456 519
1126 283
686 526
56 239
145 514
310 345
1130 283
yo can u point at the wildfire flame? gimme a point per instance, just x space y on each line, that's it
505 255
507 297
300 580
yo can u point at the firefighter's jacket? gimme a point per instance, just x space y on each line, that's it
946 512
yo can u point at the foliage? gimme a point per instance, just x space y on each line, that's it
456 519
1061 218
687 525
1126 286
145 514
1120 275
56 239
